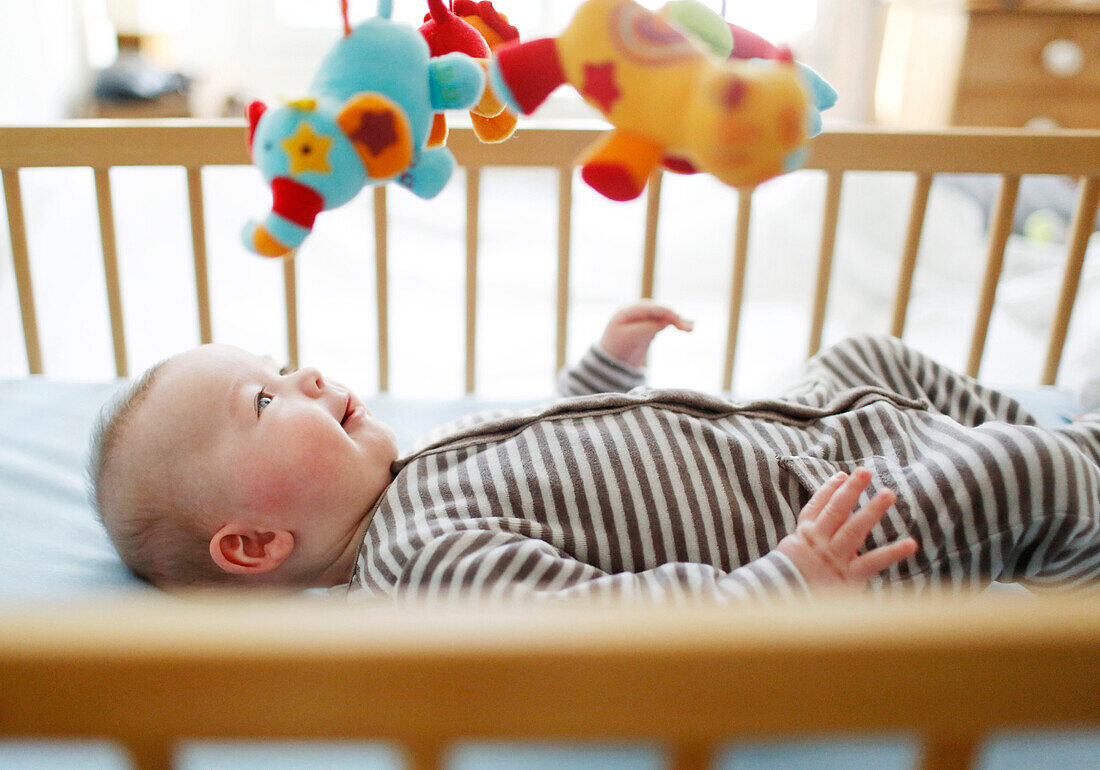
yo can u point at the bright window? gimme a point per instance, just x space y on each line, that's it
777 20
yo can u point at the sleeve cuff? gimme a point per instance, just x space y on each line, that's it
599 372
772 576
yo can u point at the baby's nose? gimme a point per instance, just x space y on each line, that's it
310 381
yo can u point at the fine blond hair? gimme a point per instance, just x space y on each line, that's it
159 537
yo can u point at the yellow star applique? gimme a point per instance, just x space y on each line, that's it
307 150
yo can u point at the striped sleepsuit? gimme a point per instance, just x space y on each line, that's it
629 493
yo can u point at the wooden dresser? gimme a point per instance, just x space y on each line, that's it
990 63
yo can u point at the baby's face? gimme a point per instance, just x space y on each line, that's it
291 451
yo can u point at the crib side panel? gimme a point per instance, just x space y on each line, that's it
950 672
195 145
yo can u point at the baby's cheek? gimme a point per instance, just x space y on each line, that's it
292 467
311 460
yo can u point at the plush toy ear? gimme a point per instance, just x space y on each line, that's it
380 132
254 112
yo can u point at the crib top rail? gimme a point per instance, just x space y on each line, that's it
954 671
196 143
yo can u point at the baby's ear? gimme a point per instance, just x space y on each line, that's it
243 551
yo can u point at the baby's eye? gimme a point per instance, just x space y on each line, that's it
262 401
285 371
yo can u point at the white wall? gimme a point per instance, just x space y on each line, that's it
42 63
268 48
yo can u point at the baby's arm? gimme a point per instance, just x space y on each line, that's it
631 330
615 364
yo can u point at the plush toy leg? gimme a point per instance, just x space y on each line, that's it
523 75
619 164
489 106
438 137
494 129
456 82
824 97
430 173
294 207
273 237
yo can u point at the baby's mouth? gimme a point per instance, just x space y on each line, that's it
353 410
348 409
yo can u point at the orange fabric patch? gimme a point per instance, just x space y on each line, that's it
380 133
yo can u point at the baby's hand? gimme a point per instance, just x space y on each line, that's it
829 535
632 329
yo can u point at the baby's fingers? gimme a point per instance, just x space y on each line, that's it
817 502
840 505
659 314
851 535
873 562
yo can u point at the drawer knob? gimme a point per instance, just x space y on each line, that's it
1063 58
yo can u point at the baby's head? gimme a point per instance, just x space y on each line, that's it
216 467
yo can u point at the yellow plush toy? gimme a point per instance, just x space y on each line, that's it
666 94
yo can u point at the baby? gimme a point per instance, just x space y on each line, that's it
217 468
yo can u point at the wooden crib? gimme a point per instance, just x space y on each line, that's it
148 672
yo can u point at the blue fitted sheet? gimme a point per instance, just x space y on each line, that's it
1005 751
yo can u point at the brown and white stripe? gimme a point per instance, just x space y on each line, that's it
652 495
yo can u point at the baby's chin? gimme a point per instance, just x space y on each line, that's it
385 449
389 437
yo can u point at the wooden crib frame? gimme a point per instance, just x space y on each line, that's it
194 145
148 672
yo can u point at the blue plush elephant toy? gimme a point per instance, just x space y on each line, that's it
366 121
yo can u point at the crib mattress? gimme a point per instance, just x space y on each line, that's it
52 545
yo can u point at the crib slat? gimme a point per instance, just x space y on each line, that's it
290 292
833 183
1084 215
565 230
473 206
649 252
422 755
17 232
737 281
998 238
150 753
909 252
110 267
381 282
198 247
691 756
948 755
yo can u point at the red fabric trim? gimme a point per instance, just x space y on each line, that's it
295 202
678 165
532 71
447 33
253 112
749 45
485 11
612 180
